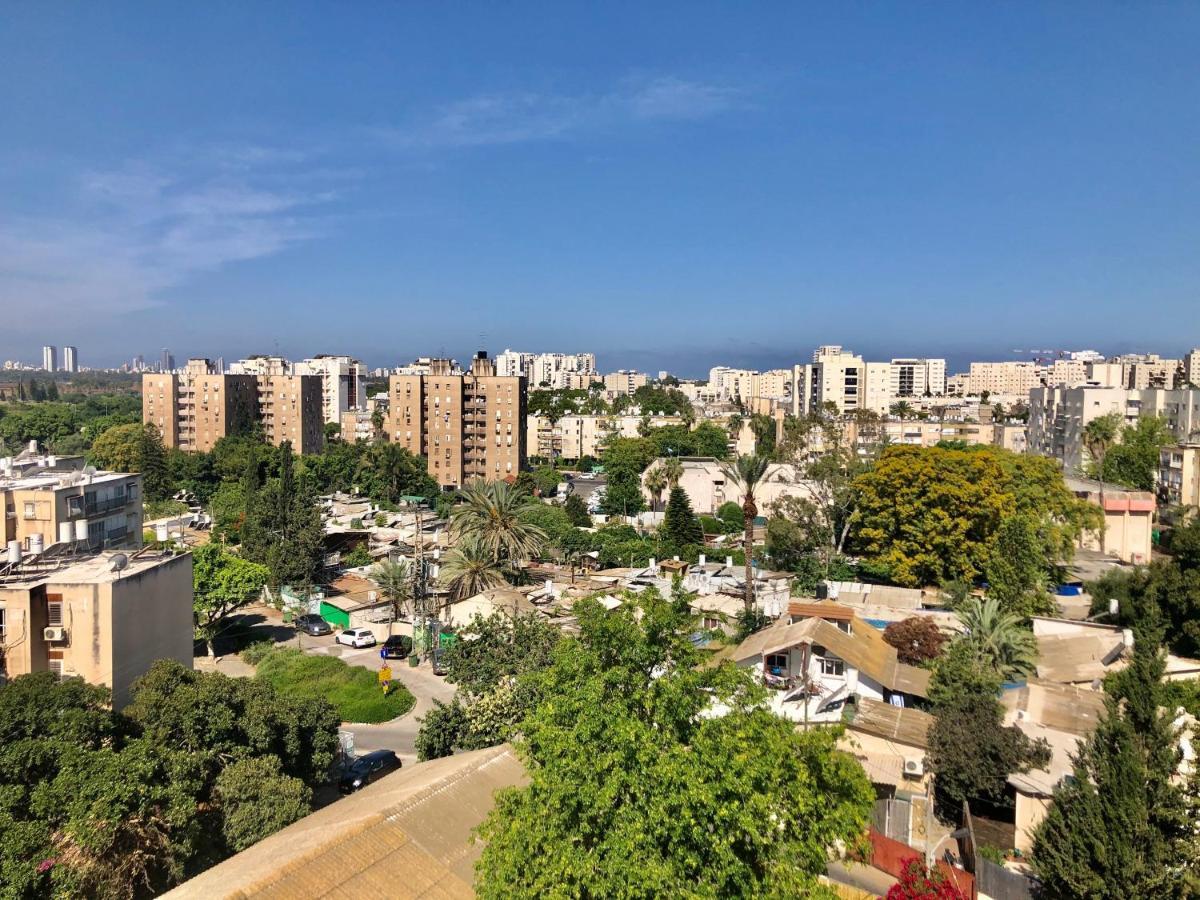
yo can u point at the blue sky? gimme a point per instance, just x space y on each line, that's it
670 185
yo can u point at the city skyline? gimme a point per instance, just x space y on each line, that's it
804 176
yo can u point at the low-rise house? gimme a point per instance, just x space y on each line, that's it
1083 653
1128 519
105 617
707 487
816 666
507 601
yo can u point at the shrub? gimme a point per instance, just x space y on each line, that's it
257 652
353 690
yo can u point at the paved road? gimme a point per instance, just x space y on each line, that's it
399 734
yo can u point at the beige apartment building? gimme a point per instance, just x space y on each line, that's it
573 437
1179 475
625 381
57 501
1002 378
467 425
1128 519
197 406
87 616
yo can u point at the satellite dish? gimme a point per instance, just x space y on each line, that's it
119 562
89 470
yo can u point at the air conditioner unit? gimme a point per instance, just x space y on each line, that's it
914 765
54 633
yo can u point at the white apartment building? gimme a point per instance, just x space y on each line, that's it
1190 369
625 381
573 437
727 383
260 365
1179 475
50 359
917 377
1059 415
1002 378
70 359
546 370
343 383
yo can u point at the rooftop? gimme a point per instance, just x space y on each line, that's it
58 565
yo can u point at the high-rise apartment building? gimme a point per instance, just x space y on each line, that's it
50 359
833 377
467 425
917 378
1002 378
625 381
546 370
166 362
1189 370
70 359
197 406
343 383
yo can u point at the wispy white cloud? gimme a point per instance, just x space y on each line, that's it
518 117
133 233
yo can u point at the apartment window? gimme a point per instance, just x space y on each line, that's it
831 665
776 663
30 510
56 667
75 506
54 613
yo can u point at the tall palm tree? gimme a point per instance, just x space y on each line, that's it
674 471
902 410
747 471
469 569
1000 639
490 513
656 483
395 583
1098 436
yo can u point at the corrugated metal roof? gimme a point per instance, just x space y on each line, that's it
901 724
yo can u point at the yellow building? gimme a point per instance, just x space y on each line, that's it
90 617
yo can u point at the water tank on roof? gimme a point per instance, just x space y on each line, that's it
36 544
66 532
14 552
161 533
81 529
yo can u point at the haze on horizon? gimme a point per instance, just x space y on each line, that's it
671 187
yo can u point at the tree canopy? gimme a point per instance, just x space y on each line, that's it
634 793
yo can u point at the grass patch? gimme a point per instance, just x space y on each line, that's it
353 690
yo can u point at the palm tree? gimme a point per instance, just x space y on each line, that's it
490 513
395 583
469 569
1098 436
734 426
656 483
1000 639
747 472
902 410
673 469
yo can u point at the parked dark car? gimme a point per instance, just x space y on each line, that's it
398 646
311 623
368 768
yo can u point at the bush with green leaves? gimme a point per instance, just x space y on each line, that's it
352 690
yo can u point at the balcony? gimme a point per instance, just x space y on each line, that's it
99 508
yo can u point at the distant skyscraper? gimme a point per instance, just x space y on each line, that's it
139 363
167 363
50 359
70 359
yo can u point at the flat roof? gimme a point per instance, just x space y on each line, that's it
90 568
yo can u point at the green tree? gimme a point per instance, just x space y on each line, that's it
576 511
1017 570
1123 826
764 428
970 749
388 472
656 483
283 528
1134 461
634 793
710 440
223 583
745 473
490 514
1098 436
257 800
395 584
135 448
469 568
680 525
999 639
917 640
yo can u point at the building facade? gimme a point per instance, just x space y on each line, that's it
88 616
343 383
197 406
467 425
50 359
70 359
625 381
1179 475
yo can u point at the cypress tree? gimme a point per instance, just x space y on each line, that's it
680 525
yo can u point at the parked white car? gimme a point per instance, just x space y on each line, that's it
357 637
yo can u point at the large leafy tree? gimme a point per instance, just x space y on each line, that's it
388 472
1018 570
1123 826
96 803
931 514
135 448
634 793
223 583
